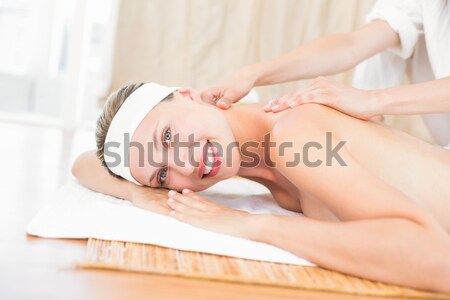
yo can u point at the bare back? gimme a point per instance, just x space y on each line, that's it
418 169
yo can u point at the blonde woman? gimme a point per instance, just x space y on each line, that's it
376 201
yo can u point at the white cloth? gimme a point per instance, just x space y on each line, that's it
424 30
76 212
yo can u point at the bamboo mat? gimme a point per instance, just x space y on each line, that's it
136 257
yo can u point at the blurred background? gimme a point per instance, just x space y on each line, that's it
59 59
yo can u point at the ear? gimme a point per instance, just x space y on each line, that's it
190 93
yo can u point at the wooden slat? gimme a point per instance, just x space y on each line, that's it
136 257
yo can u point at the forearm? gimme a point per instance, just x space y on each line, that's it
327 55
393 250
432 97
90 173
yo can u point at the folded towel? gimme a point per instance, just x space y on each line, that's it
77 212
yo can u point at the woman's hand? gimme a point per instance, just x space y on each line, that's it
198 211
230 90
357 103
152 199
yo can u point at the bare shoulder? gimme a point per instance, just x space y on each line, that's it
307 123
307 117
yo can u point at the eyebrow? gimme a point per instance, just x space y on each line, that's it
157 149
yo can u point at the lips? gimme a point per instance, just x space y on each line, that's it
216 163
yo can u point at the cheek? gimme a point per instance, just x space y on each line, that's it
181 182
199 120
188 128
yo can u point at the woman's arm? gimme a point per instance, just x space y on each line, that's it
405 249
432 97
327 55
383 234
393 250
90 173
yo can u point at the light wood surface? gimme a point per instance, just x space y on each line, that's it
34 162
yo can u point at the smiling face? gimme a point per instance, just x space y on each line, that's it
173 145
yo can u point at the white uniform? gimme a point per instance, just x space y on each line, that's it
424 54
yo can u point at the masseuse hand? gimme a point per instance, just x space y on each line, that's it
230 90
357 103
198 211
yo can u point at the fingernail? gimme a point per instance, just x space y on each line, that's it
172 193
223 104
185 191
170 200
275 106
172 212
266 106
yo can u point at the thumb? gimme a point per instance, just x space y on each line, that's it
224 103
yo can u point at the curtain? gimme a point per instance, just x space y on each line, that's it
197 42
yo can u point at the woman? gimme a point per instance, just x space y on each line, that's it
401 38
375 200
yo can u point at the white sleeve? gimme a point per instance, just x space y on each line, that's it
405 18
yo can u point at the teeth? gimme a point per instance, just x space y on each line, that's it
207 170
209 161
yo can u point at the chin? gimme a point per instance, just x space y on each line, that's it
202 188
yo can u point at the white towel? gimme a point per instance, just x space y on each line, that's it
77 212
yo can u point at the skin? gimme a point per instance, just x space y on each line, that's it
386 211
327 56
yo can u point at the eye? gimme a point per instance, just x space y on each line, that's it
162 176
167 136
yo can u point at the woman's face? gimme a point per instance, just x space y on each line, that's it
174 140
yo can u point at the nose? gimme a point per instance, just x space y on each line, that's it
181 162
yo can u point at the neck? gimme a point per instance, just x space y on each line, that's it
250 123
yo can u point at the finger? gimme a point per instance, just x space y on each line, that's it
188 200
193 195
268 106
224 103
312 97
179 207
296 101
208 96
280 107
178 215
201 202
281 103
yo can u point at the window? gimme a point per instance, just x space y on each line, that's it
55 57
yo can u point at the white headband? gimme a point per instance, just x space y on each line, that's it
127 119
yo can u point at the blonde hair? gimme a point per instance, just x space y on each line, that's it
112 105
